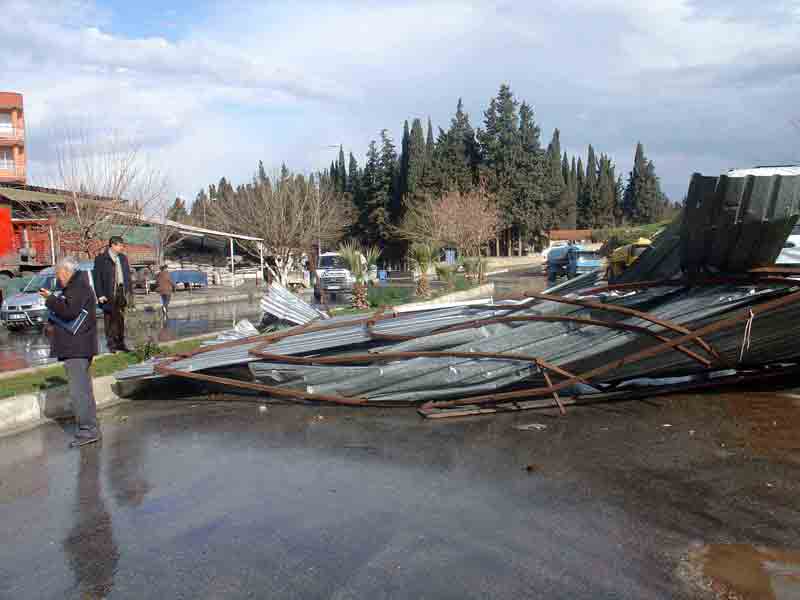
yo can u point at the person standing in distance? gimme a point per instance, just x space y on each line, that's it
164 287
76 350
112 283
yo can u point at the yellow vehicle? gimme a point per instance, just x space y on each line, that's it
624 256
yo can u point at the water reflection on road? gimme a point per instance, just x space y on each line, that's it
31 348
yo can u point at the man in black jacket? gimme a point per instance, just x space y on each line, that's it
75 349
112 283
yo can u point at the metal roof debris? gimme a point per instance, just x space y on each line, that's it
703 307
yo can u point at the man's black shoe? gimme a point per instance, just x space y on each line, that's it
85 437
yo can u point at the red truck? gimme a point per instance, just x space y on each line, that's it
26 245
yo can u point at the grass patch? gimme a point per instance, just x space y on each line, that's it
54 376
387 296
390 296
38 381
461 284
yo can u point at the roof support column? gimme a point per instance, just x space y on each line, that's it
232 268
261 257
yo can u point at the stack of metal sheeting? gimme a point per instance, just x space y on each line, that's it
343 338
283 305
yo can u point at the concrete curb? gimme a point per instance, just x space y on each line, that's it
26 411
200 300
29 370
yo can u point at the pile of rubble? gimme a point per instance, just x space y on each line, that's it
705 306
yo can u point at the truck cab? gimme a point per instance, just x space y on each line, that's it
571 260
333 277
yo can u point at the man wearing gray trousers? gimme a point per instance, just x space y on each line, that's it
73 341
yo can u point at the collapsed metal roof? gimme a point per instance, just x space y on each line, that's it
704 305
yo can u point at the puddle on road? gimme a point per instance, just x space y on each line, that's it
746 572
769 423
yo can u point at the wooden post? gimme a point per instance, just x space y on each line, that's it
261 258
233 284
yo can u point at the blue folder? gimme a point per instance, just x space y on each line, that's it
71 326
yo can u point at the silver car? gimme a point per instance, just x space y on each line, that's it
26 309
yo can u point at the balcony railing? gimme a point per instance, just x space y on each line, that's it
12 134
9 170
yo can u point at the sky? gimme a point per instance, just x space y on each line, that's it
207 89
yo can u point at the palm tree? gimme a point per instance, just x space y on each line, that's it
422 257
359 260
447 274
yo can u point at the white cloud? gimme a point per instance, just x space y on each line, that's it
698 85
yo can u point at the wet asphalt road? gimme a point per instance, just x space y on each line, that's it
30 348
201 499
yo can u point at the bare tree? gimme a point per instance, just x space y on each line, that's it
290 213
109 186
465 221
168 234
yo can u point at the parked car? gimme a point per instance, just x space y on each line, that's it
26 309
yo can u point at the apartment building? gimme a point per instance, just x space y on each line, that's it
12 138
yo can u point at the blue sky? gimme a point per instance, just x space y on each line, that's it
210 88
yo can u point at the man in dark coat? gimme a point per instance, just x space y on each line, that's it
75 348
112 283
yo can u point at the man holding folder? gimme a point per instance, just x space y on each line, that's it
73 341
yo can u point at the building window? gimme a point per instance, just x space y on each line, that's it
5 123
6 160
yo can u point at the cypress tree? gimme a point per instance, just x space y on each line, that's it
429 142
587 194
535 192
643 201
416 158
458 153
352 176
387 192
555 181
371 213
341 172
602 208
499 145
404 159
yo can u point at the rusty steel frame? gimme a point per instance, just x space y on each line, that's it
624 310
636 357
165 368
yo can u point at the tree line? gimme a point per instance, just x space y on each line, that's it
535 188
